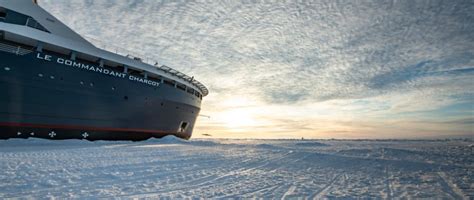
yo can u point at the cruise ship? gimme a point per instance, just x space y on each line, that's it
55 84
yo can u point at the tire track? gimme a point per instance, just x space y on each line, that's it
321 193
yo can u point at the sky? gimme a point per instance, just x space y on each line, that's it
313 69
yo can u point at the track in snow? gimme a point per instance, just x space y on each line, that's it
236 168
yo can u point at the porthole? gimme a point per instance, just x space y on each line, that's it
91 84
7 68
40 75
113 88
51 77
82 82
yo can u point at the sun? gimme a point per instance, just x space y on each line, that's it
238 119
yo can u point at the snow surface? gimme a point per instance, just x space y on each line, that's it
173 168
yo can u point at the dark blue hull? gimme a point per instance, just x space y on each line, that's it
49 99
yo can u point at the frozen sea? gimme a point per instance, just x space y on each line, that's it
273 169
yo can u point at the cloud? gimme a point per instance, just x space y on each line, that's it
374 60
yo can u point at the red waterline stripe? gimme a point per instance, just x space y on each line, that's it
89 128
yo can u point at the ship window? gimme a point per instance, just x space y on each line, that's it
19 19
51 77
125 97
3 15
120 68
182 87
34 24
190 91
168 82
40 75
7 68
113 88
91 84
133 72
82 82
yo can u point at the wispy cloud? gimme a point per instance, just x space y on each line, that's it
313 68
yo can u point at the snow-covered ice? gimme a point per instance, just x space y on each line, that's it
172 168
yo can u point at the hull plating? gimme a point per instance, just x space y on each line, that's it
48 99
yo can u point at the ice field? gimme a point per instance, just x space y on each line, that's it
172 168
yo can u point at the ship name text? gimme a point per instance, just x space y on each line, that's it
97 69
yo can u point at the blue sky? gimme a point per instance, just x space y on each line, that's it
313 69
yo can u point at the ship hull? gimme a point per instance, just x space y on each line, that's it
43 96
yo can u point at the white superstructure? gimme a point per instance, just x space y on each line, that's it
44 31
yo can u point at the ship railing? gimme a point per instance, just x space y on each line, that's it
16 49
147 60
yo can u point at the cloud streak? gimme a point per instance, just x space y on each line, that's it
366 62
